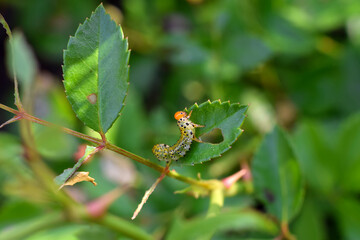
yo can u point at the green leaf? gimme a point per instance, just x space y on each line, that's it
13 212
284 37
277 178
10 149
24 60
12 160
96 71
349 152
95 232
52 143
348 215
316 149
252 53
245 220
133 124
68 173
68 232
224 116
26 229
310 223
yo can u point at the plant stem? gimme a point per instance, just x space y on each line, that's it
285 231
173 174
9 109
216 202
123 226
215 205
50 220
16 88
22 230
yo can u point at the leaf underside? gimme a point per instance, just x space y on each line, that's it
79 177
96 71
222 115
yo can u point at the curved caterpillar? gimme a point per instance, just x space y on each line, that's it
179 149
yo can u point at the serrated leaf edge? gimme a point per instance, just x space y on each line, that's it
230 144
128 51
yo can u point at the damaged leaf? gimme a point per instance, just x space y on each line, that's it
70 173
78 177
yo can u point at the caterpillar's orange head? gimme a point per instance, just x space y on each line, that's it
179 114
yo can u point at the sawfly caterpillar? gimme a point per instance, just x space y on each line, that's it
168 153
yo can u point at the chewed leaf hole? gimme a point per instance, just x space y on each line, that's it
214 136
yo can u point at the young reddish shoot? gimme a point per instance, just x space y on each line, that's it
229 181
99 206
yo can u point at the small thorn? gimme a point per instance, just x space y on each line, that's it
13 119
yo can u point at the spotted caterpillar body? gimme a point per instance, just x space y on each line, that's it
179 149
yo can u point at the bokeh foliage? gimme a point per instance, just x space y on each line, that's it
297 63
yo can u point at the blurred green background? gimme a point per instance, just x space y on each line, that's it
296 62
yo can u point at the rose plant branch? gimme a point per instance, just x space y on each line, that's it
207 184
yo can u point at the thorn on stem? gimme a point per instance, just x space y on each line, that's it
13 119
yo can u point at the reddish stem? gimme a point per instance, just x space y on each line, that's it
173 174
